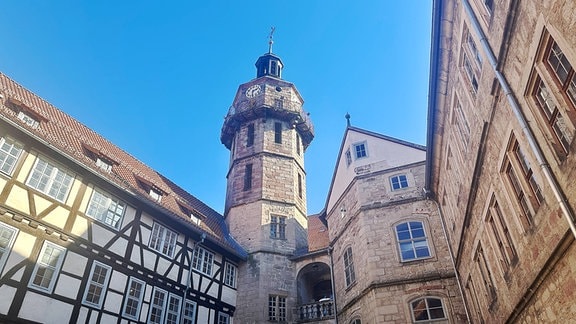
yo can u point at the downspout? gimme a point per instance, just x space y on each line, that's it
544 166
333 285
451 256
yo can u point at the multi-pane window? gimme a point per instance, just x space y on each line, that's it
7 236
278 133
28 120
133 300
348 157
470 72
223 318
47 267
163 240
471 288
427 309
525 187
276 308
250 135
278 227
349 267
9 154
155 194
248 177
563 70
103 164
97 285
501 234
300 185
489 5
230 275
485 274
50 179
360 150
399 182
203 260
106 209
555 119
189 314
157 305
412 241
459 119
173 309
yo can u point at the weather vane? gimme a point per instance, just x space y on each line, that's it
271 41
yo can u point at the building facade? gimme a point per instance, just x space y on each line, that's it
501 153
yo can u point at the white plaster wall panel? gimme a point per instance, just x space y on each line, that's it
74 263
57 217
119 247
101 235
26 166
18 199
80 227
113 302
144 312
149 259
6 297
195 280
83 314
203 315
2 183
213 291
94 317
135 257
228 295
129 215
86 199
74 190
107 318
118 281
43 309
173 274
20 251
67 286
148 220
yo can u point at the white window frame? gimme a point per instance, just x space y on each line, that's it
163 240
28 120
43 268
173 314
203 261
10 152
428 309
223 318
189 314
158 302
414 242
104 165
97 283
48 177
106 209
137 298
230 272
7 237
350 274
399 182
155 194
364 146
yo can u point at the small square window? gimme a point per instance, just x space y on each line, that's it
28 120
360 150
399 182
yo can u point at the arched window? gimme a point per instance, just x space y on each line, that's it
349 267
356 321
427 309
412 241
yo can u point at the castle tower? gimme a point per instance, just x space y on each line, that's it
267 133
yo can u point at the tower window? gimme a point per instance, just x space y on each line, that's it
250 135
298 144
248 177
278 133
277 308
300 185
399 182
278 227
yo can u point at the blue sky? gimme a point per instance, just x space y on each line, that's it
157 77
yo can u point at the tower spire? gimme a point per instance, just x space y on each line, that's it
271 39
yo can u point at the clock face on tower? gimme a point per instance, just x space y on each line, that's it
253 91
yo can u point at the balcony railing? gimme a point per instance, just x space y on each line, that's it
317 311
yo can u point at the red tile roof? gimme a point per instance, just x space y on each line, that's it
72 137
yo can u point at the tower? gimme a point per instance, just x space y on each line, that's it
267 133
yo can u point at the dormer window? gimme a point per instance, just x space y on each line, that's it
194 217
104 165
152 190
102 161
155 194
28 120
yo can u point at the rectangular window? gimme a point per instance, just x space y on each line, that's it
349 267
133 299
28 120
173 310
412 241
501 235
157 305
298 144
97 285
470 287
278 227
47 267
563 70
155 194
470 73
461 122
106 209
189 315
278 133
223 318
163 240
399 182
250 135
348 157
248 177
276 308
103 164
203 261
360 150
230 275
9 154
485 274
300 185
7 237
50 179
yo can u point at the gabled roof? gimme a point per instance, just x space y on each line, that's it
404 153
71 137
